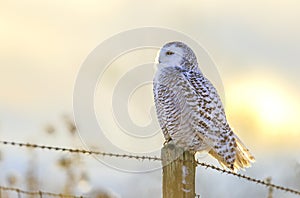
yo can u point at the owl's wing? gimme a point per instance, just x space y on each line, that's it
227 147
209 118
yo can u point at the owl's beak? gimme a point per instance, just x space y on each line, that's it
157 60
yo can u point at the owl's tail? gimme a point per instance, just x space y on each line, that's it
243 157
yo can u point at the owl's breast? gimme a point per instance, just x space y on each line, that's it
168 75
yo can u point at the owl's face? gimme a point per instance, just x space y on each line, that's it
171 55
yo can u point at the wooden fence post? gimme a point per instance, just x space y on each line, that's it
179 169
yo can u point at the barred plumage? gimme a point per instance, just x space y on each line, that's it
190 111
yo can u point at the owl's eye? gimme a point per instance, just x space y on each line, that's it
168 53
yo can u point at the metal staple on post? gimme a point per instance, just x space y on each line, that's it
270 192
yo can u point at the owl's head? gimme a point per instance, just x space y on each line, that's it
177 54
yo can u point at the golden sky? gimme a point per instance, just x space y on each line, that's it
254 44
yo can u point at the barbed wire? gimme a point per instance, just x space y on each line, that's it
251 179
150 158
81 151
43 193
37 193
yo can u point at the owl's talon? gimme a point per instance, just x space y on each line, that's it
167 141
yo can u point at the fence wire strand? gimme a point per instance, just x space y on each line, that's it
81 151
251 179
37 193
150 158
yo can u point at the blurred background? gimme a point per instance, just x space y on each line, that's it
255 46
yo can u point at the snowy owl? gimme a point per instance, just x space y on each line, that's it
189 109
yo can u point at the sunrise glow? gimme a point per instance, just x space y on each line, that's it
273 107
